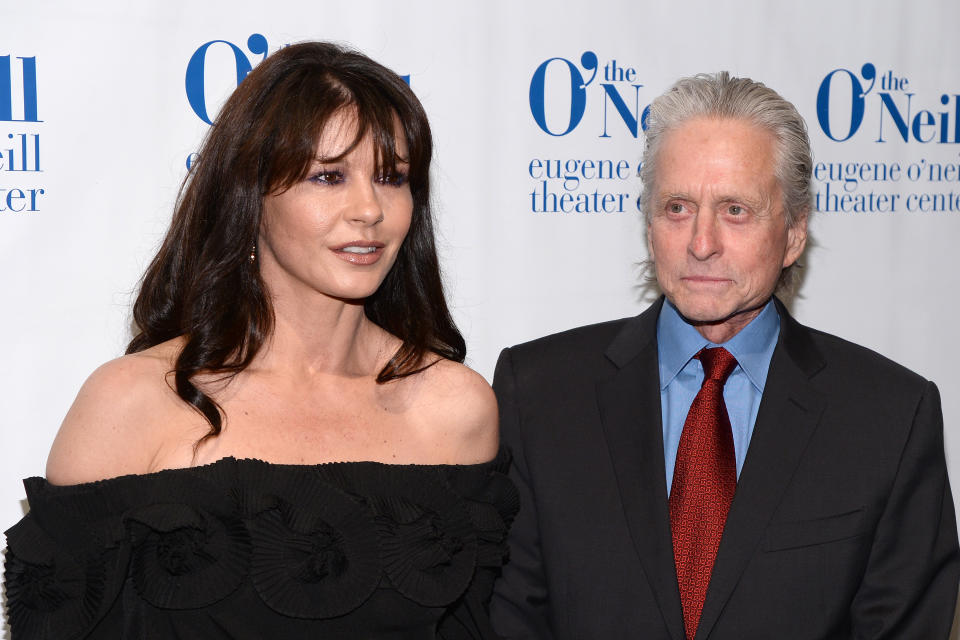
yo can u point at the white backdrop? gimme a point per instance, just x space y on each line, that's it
114 127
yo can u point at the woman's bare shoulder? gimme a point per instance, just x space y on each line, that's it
110 430
459 403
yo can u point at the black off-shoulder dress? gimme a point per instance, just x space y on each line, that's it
245 549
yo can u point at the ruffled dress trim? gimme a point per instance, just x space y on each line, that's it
316 555
314 542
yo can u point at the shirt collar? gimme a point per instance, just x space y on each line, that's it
678 341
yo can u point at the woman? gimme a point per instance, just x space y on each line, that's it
291 447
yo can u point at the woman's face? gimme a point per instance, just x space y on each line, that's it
337 232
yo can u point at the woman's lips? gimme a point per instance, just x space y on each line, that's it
362 253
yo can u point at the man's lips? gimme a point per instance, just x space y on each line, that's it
705 280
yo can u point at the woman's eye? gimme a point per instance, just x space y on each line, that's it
327 177
394 179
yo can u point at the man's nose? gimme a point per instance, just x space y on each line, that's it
705 239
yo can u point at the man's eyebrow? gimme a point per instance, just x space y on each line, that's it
754 203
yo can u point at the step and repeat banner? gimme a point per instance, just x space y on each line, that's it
538 114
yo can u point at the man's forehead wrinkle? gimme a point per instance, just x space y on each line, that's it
759 199
676 195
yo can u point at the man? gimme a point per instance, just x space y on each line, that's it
711 469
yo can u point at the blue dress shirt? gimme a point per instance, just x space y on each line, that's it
681 376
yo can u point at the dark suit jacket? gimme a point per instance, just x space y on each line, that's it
842 526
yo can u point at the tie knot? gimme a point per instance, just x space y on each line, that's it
718 364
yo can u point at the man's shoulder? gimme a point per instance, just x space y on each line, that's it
591 337
576 356
561 366
856 362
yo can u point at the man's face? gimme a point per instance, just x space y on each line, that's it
717 233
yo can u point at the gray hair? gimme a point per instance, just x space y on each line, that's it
720 96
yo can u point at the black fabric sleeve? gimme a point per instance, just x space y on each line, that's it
520 604
909 588
60 579
492 502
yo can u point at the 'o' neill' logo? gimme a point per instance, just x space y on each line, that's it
195 80
843 99
561 77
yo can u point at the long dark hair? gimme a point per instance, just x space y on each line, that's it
202 284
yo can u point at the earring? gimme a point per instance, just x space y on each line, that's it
253 252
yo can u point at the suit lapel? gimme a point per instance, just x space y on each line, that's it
629 405
788 415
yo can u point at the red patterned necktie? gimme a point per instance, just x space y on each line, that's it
704 481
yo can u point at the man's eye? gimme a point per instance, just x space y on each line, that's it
327 177
675 207
735 210
394 179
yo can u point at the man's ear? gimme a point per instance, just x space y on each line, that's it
649 243
796 240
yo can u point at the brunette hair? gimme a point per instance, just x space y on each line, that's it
203 285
